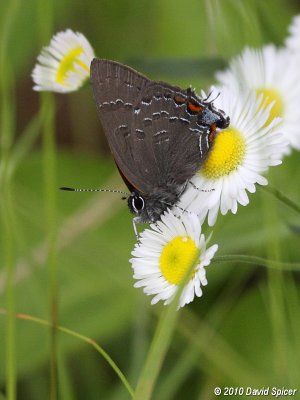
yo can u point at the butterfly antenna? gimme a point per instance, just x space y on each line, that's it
69 189
208 96
215 97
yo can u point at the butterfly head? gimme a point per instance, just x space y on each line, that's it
208 114
146 210
149 209
218 116
136 203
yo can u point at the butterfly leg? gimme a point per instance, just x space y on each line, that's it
134 221
200 190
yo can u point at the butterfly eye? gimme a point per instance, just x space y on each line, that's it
223 122
138 203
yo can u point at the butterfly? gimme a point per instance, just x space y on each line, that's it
158 134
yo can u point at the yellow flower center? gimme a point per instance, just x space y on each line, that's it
269 96
67 64
177 258
226 155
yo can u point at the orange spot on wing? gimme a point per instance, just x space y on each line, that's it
179 99
194 107
212 134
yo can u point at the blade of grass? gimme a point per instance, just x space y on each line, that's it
275 292
291 295
7 136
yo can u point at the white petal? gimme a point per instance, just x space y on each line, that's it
45 72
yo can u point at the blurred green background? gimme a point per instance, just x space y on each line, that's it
245 329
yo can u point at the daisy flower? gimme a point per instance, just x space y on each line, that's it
240 155
64 65
274 73
170 249
293 40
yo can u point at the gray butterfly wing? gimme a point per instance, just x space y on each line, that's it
154 142
116 88
169 144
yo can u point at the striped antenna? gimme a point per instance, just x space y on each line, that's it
208 96
69 189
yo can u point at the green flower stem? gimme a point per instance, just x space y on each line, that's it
157 352
7 212
161 341
281 197
50 189
84 338
9 245
257 261
45 15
